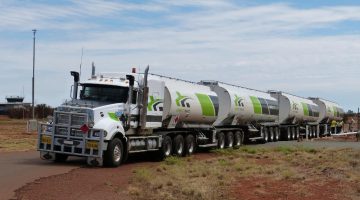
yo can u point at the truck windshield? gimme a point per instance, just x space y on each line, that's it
113 94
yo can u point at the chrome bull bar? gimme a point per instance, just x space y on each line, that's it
85 145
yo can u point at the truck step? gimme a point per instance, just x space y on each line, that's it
255 138
208 145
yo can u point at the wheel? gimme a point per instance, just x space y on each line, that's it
114 154
189 145
271 133
178 145
293 132
288 134
166 148
221 140
277 134
237 139
61 157
266 135
297 132
229 139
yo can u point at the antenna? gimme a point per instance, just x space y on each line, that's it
82 53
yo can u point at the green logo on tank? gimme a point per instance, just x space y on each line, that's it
239 101
181 100
154 103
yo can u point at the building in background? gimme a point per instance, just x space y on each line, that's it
13 102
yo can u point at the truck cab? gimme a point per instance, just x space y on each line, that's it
95 123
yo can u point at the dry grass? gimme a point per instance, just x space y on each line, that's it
214 178
13 136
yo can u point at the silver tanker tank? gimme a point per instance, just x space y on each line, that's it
328 110
185 104
294 109
240 105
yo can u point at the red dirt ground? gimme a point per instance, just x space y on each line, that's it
255 188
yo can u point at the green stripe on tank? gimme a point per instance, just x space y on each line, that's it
206 105
256 104
305 108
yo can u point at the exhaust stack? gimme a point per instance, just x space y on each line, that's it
145 95
92 70
76 83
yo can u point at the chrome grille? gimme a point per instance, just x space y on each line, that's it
61 131
78 120
71 119
62 118
76 133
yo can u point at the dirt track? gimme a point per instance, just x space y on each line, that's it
19 168
93 183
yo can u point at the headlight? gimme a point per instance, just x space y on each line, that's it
97 134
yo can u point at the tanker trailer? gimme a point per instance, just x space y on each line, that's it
329 111
251 112
297 115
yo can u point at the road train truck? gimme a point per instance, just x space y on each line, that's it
117 114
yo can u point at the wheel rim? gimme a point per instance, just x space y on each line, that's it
168 149
117 153
191 147
231 141
222 144
266 136
180 148
238 142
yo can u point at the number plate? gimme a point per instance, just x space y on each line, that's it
46 139
92 145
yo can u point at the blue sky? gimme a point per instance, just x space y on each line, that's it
309 48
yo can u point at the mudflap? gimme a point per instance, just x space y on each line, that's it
45 155
94 161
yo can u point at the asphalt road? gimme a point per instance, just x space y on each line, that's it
19 168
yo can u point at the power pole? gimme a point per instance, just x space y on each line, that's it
33 77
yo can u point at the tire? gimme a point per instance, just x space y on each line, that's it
277 134
288 133
166 148
271 134
293 131
178 145
229 139
221 140
114 154
237 139
190 145
266 135
59 157
297 132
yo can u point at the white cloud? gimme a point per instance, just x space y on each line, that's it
258 46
